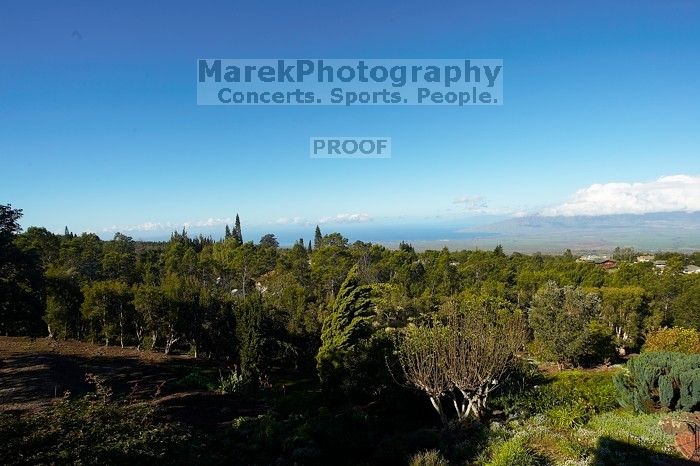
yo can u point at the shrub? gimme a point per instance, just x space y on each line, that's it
675 339
660 380
428 458
231 383
572 415
568 398
195 381
515 452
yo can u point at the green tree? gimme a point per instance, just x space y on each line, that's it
119 259
560 319
686 306
269 241
150 305
330 265
623 310
63 301
347 325
42 242
106 306
318 238
237 233
250 339
21 280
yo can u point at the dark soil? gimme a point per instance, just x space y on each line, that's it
35 372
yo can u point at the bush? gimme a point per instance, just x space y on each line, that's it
569 416
568 398
196 381
659 380
515 452
674 339
232 383
428 458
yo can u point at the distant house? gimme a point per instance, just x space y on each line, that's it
690 269
601 261
607 264
645 258
659 265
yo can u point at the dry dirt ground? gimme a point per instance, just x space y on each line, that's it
37 371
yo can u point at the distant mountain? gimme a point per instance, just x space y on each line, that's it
678 231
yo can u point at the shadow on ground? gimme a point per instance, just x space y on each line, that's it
612 452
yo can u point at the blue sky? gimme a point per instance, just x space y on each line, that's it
100 130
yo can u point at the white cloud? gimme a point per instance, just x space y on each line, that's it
168 226
473 203
346 218
678 193
210 222
289 221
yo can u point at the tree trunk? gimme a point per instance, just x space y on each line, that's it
438 407
121 327
170 341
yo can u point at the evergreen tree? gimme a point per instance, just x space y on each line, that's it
250 338
237 233
309 247
318 238
347 326
227 233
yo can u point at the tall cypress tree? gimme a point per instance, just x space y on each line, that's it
346 326
237 230
227 233
318 238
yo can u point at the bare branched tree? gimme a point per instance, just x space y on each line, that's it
482 347
422 359
465 359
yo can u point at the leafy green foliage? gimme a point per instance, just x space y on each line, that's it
561 319
21 279
674 339
567 399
